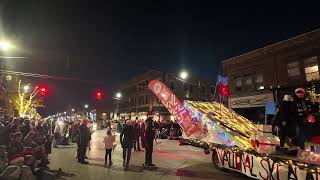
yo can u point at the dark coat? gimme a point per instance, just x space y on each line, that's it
300 109
150 132
137 131
126 136
84 135
284 115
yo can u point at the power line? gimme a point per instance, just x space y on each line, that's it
48 76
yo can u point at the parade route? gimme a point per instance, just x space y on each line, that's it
174 163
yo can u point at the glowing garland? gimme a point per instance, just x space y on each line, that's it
294 164
223 124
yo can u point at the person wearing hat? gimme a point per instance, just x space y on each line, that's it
150 135
84 136
301 110
126 140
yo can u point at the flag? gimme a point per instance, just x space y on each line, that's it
224 86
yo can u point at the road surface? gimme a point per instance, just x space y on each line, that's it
174 163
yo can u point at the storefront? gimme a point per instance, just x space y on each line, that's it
251 107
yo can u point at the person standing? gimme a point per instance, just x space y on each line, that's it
126 140
136 143
108 142
282 123
142 133
84 136
302 111
150 135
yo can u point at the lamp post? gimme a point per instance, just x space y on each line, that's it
118 98
184 74
6 45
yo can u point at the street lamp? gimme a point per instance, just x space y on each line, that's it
86 106
118 95
26 88
72 110
183 74
5 45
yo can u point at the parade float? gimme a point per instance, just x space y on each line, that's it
237 144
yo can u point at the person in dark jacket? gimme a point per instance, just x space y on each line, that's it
25 128
136 143
142 133
126 140
301 110
84 136
150 135
282 123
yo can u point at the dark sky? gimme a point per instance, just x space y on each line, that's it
113 40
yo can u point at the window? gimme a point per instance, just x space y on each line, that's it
293 69
259 81
248 83
172 85
238 83
311 68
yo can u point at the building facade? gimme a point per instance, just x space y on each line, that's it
137 99
266 74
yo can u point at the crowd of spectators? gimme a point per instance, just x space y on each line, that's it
24 148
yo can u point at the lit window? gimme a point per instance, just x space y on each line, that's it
311 69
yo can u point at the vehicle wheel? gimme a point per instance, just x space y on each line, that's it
216 162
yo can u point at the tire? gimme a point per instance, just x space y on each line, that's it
216 163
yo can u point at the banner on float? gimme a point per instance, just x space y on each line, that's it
175 107
262 167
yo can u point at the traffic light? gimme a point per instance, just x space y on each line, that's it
99 95
43 91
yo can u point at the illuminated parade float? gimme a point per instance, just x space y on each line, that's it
237 143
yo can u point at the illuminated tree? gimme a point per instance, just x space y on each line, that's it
26 103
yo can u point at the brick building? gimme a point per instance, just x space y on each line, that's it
137 99
266 74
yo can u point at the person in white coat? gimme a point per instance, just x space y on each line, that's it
108 143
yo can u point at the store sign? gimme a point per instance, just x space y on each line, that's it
250 101
261 168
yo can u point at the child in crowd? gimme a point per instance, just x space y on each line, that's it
108 141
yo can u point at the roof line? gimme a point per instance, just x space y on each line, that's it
268 46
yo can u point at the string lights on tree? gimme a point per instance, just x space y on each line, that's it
26 103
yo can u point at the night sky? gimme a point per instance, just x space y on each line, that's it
112 40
